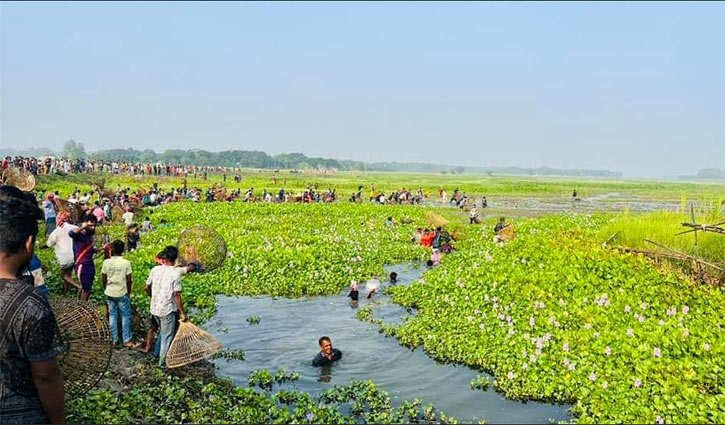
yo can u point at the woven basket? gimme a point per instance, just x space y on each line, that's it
20 178
190 345
74 210
507 233
435 219
88 344
204 245
116 214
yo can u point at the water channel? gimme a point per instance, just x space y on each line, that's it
286 337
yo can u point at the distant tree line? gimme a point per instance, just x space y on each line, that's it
299 161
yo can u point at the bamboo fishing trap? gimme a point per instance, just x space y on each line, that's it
87 341
190 345
203 245
20 178
74 210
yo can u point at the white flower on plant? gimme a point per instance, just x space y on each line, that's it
630 332
657 352
592 377
587 326
565 347
661 322
706 346
608 351
685 309
685 332
605 385
524 366
627 309
511 375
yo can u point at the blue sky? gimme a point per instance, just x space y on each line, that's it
633 87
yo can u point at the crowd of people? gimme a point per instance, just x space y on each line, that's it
32 389
50 165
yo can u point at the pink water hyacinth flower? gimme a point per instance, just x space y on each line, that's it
608 351
671 311
587 326
532 358
643 306
685 332
512 331
596 335
657 352
592 377
532 321
630 332
641 319
627 309
661 322
310 416
572 366
525 366
706 346
565 361
637 383
659 420
481 326
685 309
565 347
605 385
511 375
470 318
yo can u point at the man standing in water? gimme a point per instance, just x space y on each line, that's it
327 354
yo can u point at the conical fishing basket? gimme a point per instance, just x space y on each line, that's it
203 245
457 234
190 345
20 178
74 210
435 219
88 344
116 214
507 233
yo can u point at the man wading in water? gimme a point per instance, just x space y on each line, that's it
327 354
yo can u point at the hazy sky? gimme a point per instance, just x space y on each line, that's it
633 87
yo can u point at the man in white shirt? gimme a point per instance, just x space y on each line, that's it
167 308
63 244
473 215
128 217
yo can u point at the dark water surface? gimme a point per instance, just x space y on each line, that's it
287 334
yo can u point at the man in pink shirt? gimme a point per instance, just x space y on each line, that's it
98 212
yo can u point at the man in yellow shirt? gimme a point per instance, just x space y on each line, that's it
116 276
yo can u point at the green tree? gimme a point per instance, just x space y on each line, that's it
74 150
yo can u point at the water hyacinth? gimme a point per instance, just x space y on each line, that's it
608 351
627 309
637 383
605 385
657 352
685 310
630 332
706 346
592 377
565 347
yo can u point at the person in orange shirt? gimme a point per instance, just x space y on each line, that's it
427 239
